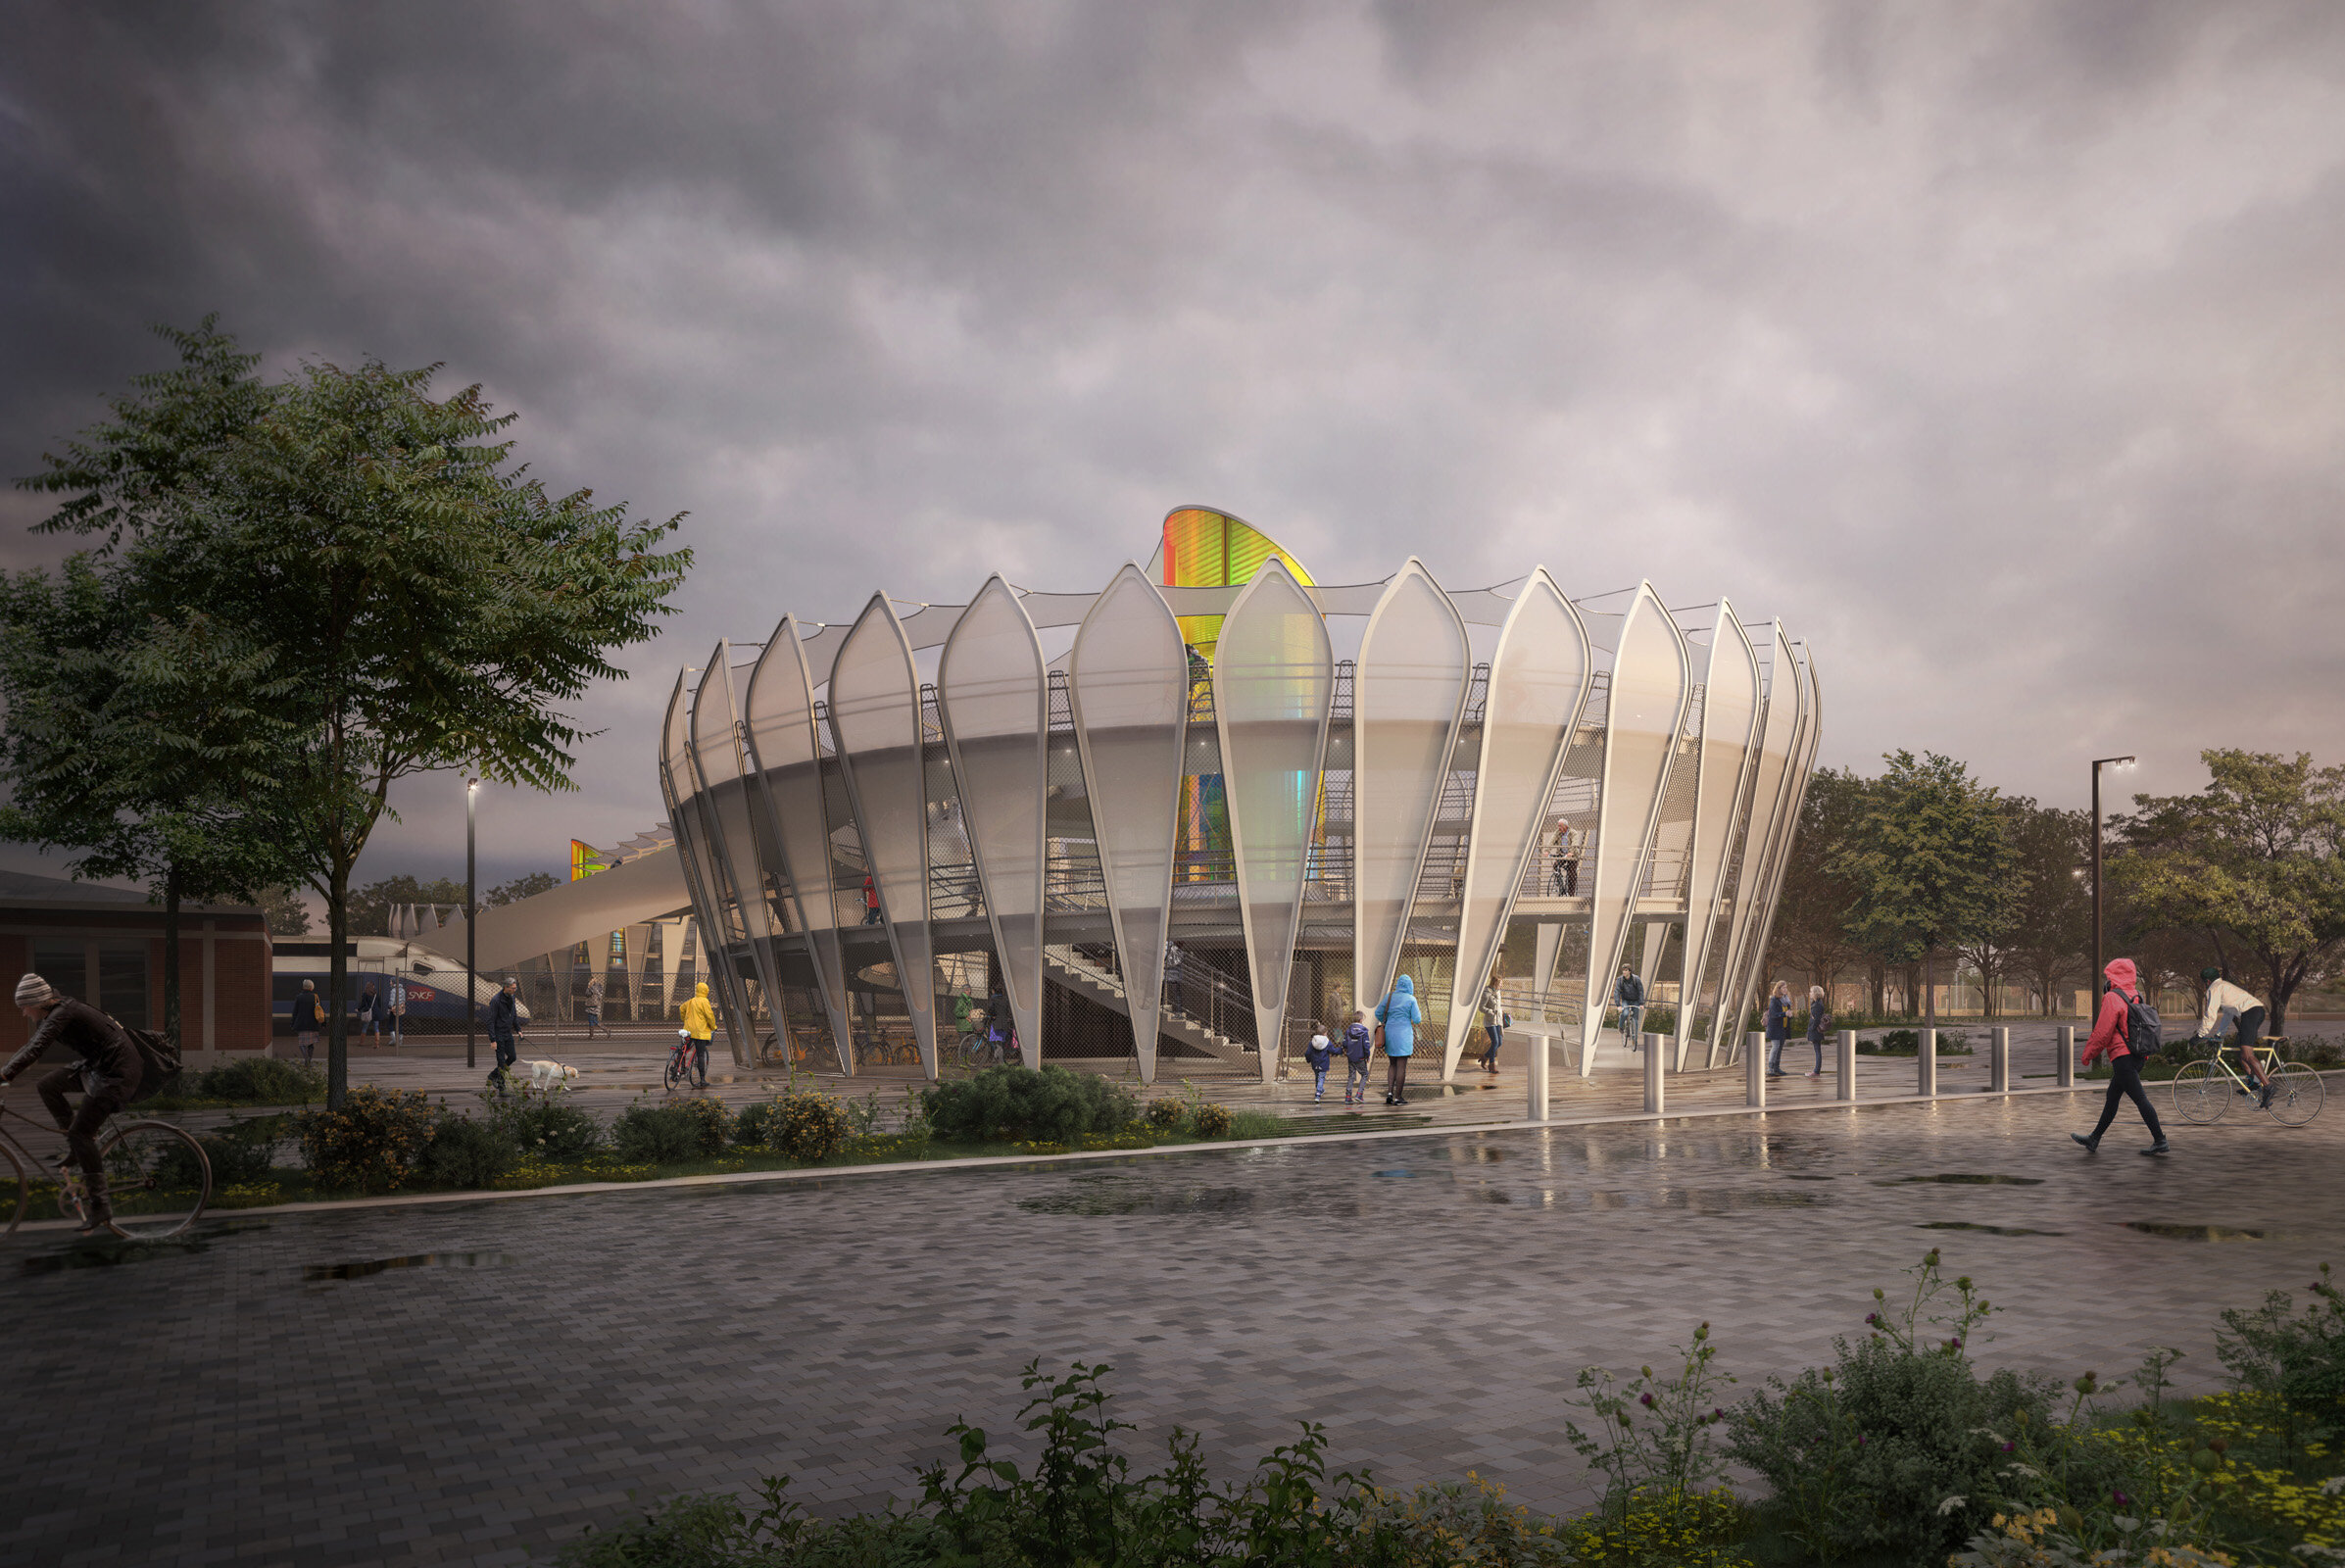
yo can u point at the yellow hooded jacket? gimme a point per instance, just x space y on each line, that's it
699 1019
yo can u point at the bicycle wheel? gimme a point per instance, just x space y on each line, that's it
15 1190
2200 1093
678 1073
972 1051
160 1179
2296 1093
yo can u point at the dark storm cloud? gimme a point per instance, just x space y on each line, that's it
1997 347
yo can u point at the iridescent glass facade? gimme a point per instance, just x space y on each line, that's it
1181 759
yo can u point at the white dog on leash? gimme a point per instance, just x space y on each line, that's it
551 1075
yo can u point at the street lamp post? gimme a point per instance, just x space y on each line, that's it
473 921
2093 985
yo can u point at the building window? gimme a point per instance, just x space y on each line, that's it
65 966
123 983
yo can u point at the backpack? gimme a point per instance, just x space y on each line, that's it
158 1059
2142 1027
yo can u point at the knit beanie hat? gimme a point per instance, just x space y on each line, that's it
34 992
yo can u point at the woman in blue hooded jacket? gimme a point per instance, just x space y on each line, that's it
1399 1014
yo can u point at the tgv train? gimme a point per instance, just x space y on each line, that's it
435 983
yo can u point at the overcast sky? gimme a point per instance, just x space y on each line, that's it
1995 347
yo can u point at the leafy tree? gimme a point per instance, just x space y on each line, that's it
138 730
2050 937
1811 924
2250 864
288 915
1931 864
519 888
433 602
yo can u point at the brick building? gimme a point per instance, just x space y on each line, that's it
105 946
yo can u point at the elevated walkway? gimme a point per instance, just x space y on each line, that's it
649 887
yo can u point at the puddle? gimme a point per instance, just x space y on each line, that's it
2192 1233
1117 1197
1966 1179
1795 1176
1396 1174
379 1266
1991 1230
109 1252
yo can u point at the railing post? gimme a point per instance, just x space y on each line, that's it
1844 1066
1926 1065
2068 1055
1998 1070
1540 1045
1754 1070
1652 1075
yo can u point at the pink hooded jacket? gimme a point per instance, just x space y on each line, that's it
2109 1028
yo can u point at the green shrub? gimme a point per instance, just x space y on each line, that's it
465 1152
243 1153
657 1135
370 1145
545 1128
712 1122
807 1124
258 1080
1211 1120
1009 1103
1167 1112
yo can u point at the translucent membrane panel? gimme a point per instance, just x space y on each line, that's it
1651 682
1537 689
1128 689
993 693
723 770
681 792
1779 725
1729 737
1410 691
778 727
1795 789
1273 685
875 719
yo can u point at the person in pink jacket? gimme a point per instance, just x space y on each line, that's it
2109 1039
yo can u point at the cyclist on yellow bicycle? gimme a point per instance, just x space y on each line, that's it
2227 1003
109 1071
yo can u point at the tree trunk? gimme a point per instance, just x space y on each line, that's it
337 1043
170 953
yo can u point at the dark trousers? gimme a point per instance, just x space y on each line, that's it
509 1052
2248 1028
700 1060
80 1123
2124 1081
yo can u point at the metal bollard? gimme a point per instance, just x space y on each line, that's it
2068 1055
1653 1045
1845 1062
1926 1065
1998 1061
1754 1070
1540 1045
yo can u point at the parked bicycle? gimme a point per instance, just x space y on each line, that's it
159 1177
2203 1090
978 1047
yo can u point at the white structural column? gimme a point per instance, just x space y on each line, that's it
875 723
1729 736
1128 687
1778 729
1539 682
1651 684
681 796
778 725
1273 687
723 771
1795 790
1408 694
994 692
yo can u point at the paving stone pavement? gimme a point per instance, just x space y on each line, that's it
1429 1299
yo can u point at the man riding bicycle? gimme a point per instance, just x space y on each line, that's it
2225 1002
109 1070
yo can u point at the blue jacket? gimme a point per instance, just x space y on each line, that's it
1400 1016
1779 1018
505 1016
1358 1043
1316 1055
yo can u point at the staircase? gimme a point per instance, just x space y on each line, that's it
1070 967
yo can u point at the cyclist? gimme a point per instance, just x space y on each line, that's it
109 1070
700 1022
2227 1003
999 1027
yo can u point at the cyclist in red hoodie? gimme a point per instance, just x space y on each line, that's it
2109 1039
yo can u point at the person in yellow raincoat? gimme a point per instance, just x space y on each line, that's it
700 1022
